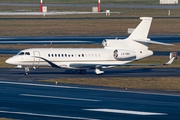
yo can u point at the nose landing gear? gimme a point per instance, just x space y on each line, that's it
26 70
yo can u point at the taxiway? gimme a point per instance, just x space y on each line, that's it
23 97
53 73
27 101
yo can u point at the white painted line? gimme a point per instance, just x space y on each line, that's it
67 98
96 89
126 112
46 115
134 92
51 13
41 85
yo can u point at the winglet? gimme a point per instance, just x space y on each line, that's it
173 56
170 61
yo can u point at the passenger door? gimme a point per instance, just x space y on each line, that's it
36 58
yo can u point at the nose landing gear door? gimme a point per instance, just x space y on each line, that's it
36 58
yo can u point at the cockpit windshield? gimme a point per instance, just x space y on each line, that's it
24 53
21 53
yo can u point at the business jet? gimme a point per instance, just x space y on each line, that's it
116 52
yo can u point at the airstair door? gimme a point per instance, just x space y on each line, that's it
36 58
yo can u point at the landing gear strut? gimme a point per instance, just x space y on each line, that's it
98 71
26 70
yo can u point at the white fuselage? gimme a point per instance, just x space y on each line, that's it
70 57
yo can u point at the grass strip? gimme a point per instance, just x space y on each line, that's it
84 27
142 83
3 58
6 119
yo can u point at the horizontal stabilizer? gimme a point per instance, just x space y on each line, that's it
152 42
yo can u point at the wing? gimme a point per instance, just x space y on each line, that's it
94 66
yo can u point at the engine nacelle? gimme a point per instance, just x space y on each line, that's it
111 42
124 55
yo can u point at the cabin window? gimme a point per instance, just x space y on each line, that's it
69 55
49 55
79 55
62 55
65 55
72 55
52 55
82 55
55 55
58 55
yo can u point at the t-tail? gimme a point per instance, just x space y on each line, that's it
142 30
139 37
138 40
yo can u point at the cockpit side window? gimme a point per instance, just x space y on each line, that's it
27 53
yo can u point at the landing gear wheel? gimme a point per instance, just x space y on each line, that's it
26 70
25 73
98 71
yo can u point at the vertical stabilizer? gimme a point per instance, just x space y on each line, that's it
142 30
140 33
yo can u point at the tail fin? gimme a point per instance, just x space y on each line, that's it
142 30
140 33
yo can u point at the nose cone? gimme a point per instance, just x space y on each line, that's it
9 61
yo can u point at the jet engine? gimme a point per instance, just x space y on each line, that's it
111 42
124 55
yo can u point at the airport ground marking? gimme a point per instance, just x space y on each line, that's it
125 112
40 85
55 97
46 115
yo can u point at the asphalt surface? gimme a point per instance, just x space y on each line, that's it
23 97
50 73
32 101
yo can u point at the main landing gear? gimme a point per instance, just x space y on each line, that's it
98 71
